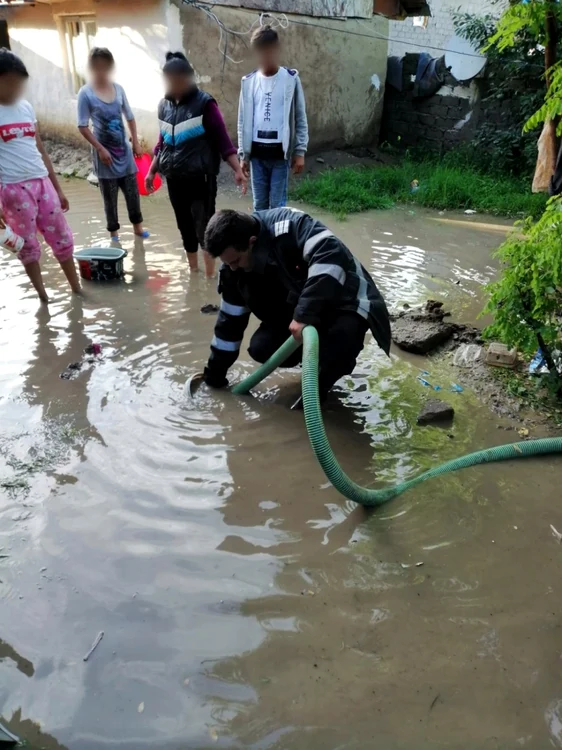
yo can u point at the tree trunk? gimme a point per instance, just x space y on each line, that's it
551 28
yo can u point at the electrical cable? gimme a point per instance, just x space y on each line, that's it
282 21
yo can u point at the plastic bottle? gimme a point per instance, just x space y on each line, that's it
10 240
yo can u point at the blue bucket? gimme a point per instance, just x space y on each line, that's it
100 263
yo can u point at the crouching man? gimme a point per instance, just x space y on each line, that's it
290 271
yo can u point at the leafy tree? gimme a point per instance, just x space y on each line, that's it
514 83
539 20
527 299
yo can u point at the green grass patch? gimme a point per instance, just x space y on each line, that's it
441 186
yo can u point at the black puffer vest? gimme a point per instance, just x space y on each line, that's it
186 148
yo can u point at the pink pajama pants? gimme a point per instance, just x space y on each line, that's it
34 206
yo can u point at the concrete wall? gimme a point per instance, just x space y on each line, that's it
138 40
343 75
320 8
409 38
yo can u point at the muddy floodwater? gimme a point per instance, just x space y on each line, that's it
244 603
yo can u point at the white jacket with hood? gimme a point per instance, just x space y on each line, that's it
295 130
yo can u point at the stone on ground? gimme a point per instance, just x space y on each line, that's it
422 329
436 411
417 335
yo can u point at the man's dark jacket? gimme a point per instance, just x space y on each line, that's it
301 271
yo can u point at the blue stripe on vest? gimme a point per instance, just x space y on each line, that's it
188 135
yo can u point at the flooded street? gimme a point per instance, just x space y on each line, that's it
244 603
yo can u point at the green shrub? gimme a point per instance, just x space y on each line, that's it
526 301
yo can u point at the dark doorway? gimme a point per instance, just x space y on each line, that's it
4 36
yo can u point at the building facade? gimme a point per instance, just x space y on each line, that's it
339 47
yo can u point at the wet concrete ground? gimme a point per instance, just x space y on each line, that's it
245 604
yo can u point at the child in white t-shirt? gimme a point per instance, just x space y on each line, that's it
31 199
272 123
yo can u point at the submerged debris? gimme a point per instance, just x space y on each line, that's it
209 309
90 353
95 644
213 734
436 411
556 534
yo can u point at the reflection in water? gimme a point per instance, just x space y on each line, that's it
24 665
244 603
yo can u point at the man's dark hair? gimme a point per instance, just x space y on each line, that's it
10 63
101 53
229 228
177 63
264 36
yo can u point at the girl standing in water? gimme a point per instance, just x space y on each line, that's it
105 103
31 199
193 138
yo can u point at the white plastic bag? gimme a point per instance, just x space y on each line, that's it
467 354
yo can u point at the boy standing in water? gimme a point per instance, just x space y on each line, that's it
272 124
31 198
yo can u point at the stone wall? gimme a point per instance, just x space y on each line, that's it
439 121
449 117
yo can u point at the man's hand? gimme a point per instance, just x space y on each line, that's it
298 164
296 330
64 204
241 180
149 182
245 167
2 220
137 150
105 156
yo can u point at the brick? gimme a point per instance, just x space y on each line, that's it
427 120
411 117
441 110
435 135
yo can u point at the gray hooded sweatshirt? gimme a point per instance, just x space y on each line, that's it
295 131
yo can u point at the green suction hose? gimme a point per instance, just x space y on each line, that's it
325 455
